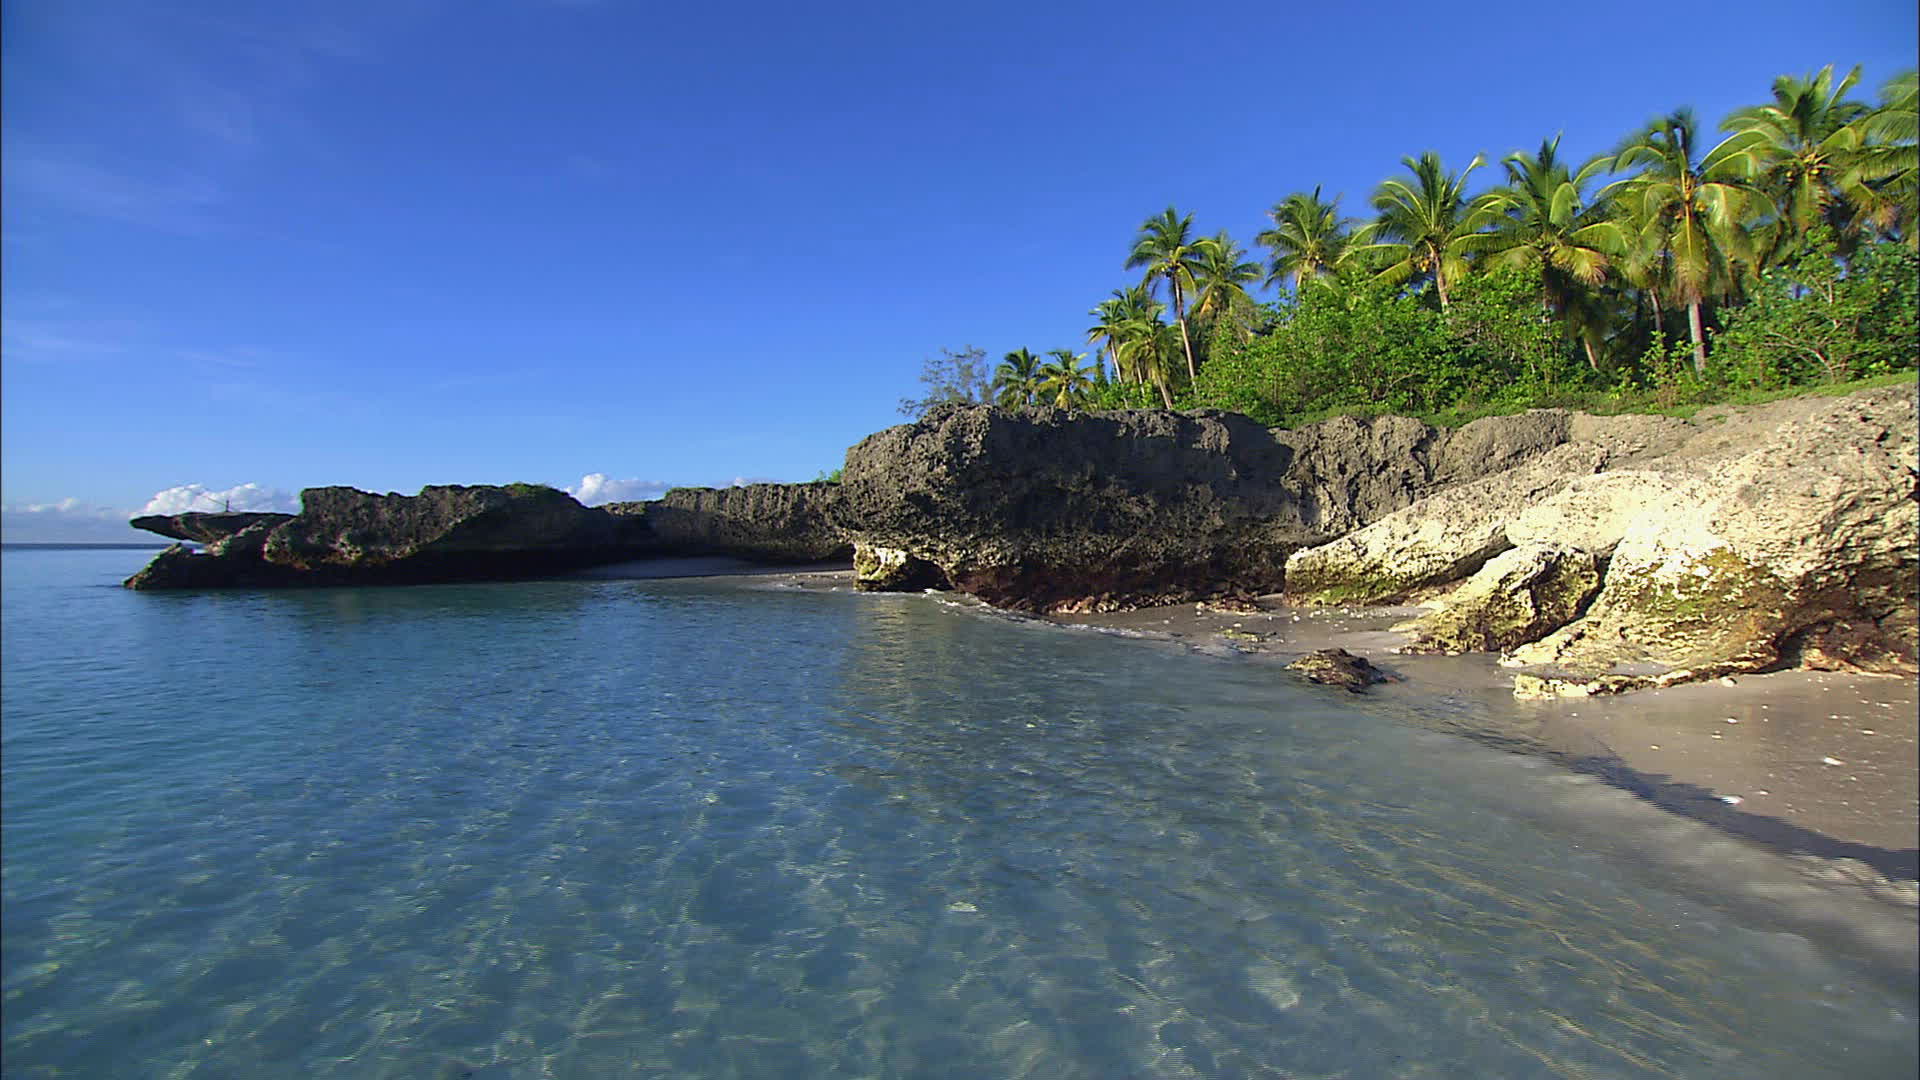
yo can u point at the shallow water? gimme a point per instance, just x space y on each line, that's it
697 828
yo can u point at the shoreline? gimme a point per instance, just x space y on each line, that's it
1763 777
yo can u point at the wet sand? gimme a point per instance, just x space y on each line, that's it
1819 763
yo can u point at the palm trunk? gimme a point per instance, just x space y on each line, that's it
1592 360
1699 337
1193 373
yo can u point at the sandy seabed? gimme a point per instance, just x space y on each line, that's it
1813 763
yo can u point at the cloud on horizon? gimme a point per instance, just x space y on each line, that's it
186 498
597 488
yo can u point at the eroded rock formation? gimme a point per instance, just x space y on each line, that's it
1055 511
445 533
1600 552
1783 533
794 523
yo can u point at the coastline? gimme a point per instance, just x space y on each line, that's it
1673 746
1856 823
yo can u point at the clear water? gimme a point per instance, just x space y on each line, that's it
700 829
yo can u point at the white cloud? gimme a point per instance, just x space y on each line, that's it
196 497
743 481
597 488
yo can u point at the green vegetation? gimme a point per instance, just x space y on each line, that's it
522 491
1662 275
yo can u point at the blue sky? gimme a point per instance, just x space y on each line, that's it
252 247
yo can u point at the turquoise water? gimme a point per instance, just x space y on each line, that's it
719 829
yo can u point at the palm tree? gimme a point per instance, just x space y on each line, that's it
1696 207
1220 280
1308 239
1117 314
1799 148
1422 230
1543 218
1064 380
1150 348
1884 181
1165 247
1016 381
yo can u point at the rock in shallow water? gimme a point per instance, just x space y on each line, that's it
1338 667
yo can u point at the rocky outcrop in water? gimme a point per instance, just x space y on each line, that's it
204 528
445 533
1338 667
467 533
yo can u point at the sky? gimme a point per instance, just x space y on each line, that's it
250 247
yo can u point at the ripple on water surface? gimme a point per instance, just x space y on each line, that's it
698 829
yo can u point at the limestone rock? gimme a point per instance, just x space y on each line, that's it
1338 667
881 569
1517 597
202 528
1803 530
446 533
1442 538
1057 511
767 522
443 524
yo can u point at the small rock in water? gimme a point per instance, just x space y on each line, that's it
1732 800
1338 667
1831 761
962 907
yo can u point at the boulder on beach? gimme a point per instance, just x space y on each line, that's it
1338 667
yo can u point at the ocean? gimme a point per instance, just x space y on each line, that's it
722 828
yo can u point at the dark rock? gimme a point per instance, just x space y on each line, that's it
1338 667
445 533
1058 511
204 528
789 523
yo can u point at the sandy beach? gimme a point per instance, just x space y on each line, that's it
1821 763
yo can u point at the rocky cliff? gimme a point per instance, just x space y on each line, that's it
1601 552
483 532
1055 511
445 533
1743 540
793 523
